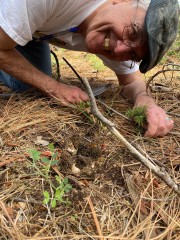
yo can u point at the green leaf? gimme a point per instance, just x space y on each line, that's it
138 114
57 193
53 203
45 201
46 197
45 160
58 179
67 188
51 147
54 156
35 155
65 181
46 194
54 162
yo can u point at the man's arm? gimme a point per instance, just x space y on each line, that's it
13 63
134 88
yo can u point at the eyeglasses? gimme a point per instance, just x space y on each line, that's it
132 37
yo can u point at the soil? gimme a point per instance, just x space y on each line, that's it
113 196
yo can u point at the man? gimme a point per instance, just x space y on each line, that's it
121 32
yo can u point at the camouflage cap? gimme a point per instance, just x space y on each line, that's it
161 25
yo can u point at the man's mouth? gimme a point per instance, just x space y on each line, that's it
106 44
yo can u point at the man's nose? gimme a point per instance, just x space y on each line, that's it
121 48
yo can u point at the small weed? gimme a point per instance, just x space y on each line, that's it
138 115
60 186
82 107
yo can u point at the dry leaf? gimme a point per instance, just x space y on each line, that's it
42 142
75 170
47 154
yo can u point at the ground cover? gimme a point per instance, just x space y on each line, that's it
104 192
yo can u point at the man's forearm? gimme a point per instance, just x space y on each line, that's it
13 63
133 86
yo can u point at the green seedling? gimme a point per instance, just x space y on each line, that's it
60 187
138 115
47 162
81 107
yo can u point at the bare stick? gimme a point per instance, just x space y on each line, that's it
79 77
158 171
161 71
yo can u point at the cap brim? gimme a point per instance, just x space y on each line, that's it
161 26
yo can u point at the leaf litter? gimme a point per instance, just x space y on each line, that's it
113 195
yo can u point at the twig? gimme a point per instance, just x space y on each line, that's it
161 71
57 64
26 201
79 77
171 64
175 133
113 110
173 114
95 218
159 171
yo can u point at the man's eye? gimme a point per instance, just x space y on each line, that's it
133 35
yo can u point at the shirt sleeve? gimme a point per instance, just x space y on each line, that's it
119 67
20 19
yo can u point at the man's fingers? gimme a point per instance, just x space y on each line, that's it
70 94
152 124
159 124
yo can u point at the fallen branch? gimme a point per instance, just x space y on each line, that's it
158 171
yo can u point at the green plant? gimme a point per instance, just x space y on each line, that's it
60 186
138 115
47 162
82 107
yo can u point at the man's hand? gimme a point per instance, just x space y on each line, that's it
16 65
158 123
68 94
134 89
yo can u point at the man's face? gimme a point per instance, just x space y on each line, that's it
105 33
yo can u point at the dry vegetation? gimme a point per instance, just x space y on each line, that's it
113 195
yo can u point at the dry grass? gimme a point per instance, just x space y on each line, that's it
113 197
